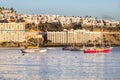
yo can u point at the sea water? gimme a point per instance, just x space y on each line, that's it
56 64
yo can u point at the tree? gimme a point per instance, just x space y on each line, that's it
30 26
4 44
34 41
12 9
42 27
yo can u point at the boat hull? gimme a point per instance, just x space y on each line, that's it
33 50
71 48
66 48
75 49
106 50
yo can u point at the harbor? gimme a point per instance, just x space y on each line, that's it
57 64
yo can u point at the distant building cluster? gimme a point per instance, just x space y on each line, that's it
12 27
8 15
88 21
66 20
73 36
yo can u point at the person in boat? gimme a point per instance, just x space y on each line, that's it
98 48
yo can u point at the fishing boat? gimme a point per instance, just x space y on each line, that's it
97 50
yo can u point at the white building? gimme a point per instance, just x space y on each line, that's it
12 32
73 36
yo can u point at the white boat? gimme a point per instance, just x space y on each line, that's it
34 50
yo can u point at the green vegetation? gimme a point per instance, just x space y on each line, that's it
30 26
30 42
33 41
10 44
2 8
51 26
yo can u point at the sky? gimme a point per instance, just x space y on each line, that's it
103 9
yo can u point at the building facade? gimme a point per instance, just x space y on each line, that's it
12 32
73 36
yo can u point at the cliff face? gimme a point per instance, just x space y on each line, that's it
113 38
104 28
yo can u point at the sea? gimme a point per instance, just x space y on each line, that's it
57 64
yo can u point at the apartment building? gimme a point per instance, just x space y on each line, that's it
57 37
12 32
73 36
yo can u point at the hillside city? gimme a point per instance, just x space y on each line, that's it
55 29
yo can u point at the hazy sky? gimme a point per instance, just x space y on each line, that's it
107 9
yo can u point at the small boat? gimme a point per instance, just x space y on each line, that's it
97 50
66 48
75 49
71 48
33 50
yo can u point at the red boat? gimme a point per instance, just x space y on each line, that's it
97 50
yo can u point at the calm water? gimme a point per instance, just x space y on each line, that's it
56 64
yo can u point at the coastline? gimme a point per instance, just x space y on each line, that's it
56 45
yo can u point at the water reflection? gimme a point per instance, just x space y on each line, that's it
94 66
56 64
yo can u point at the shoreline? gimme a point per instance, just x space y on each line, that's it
44 46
